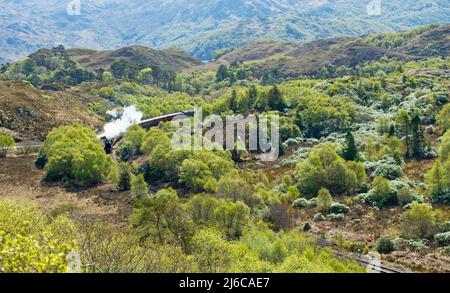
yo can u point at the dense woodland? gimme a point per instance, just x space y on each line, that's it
349 136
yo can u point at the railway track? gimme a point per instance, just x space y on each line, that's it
372 265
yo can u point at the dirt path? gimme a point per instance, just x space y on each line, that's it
20 180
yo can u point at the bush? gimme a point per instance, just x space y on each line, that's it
139 187
307 227
381 194
338 208
418 222
388 168
6 143
441 196
442 239
385 245
300 203
324 168
124 182
335 217
126 151
40 161
319 217
75 153
324 200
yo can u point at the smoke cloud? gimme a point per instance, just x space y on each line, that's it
129 117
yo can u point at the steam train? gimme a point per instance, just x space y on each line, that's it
110 143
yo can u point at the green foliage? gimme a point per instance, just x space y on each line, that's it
350 152
163 218
139 186
124 182
418 222
385 245
442 239
337 208
6 143
324 200
324 168
74 152
443 118
438 178
29 243
47 67
381 193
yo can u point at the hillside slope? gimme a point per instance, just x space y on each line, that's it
30 114
293 60
168 59
198 26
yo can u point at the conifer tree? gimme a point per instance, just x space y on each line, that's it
234 101
418 139
351 151
276 101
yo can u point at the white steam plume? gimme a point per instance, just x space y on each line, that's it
129 117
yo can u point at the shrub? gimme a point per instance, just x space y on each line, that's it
74 152
300 203
324 200
40 161
442 239
335 217
338 208
324 168
385 245
307 227
126 151
138 186
194 174
319 217
6 143
381 194
124 182
441 196
418 222
388 168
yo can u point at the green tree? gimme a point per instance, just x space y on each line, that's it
222 73
74 152
194 174
139 187
211 251
443 118
233 102
381 190
233 216
418 222
6 143
350 152
162 217
124 182
324 200
417 139
276 100
402 121
135 137
252 95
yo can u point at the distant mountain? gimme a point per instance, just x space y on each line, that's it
197 26
294 60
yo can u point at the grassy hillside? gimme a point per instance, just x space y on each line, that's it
170 59
294 60
29 113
